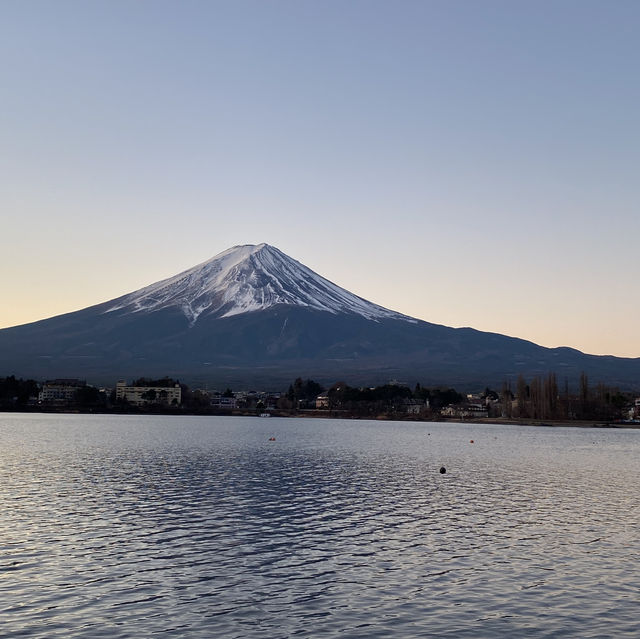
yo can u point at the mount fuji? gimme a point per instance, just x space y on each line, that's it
252 316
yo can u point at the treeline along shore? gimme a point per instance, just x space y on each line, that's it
539 400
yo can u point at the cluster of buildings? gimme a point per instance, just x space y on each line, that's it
69 392
66 392
408 406
475 406
63 392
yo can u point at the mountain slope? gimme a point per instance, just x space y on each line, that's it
252 316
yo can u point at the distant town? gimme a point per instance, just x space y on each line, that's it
538 400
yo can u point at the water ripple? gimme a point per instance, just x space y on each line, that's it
200 527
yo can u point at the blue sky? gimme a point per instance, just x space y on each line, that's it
468 163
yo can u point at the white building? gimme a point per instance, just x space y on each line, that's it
59 391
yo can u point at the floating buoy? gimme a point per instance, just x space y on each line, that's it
471 441
443 470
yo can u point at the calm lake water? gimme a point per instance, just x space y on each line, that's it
142 526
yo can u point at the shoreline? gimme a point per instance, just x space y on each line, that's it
497 421
321 414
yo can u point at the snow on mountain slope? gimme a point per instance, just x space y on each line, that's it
249 278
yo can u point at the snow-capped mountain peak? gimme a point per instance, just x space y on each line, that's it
245 279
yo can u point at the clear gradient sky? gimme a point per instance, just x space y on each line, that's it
470 163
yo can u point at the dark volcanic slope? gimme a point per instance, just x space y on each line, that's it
278 339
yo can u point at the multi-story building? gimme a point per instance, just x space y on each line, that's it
141 395
224 403
465 410
60 391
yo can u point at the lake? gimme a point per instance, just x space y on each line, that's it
141 526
